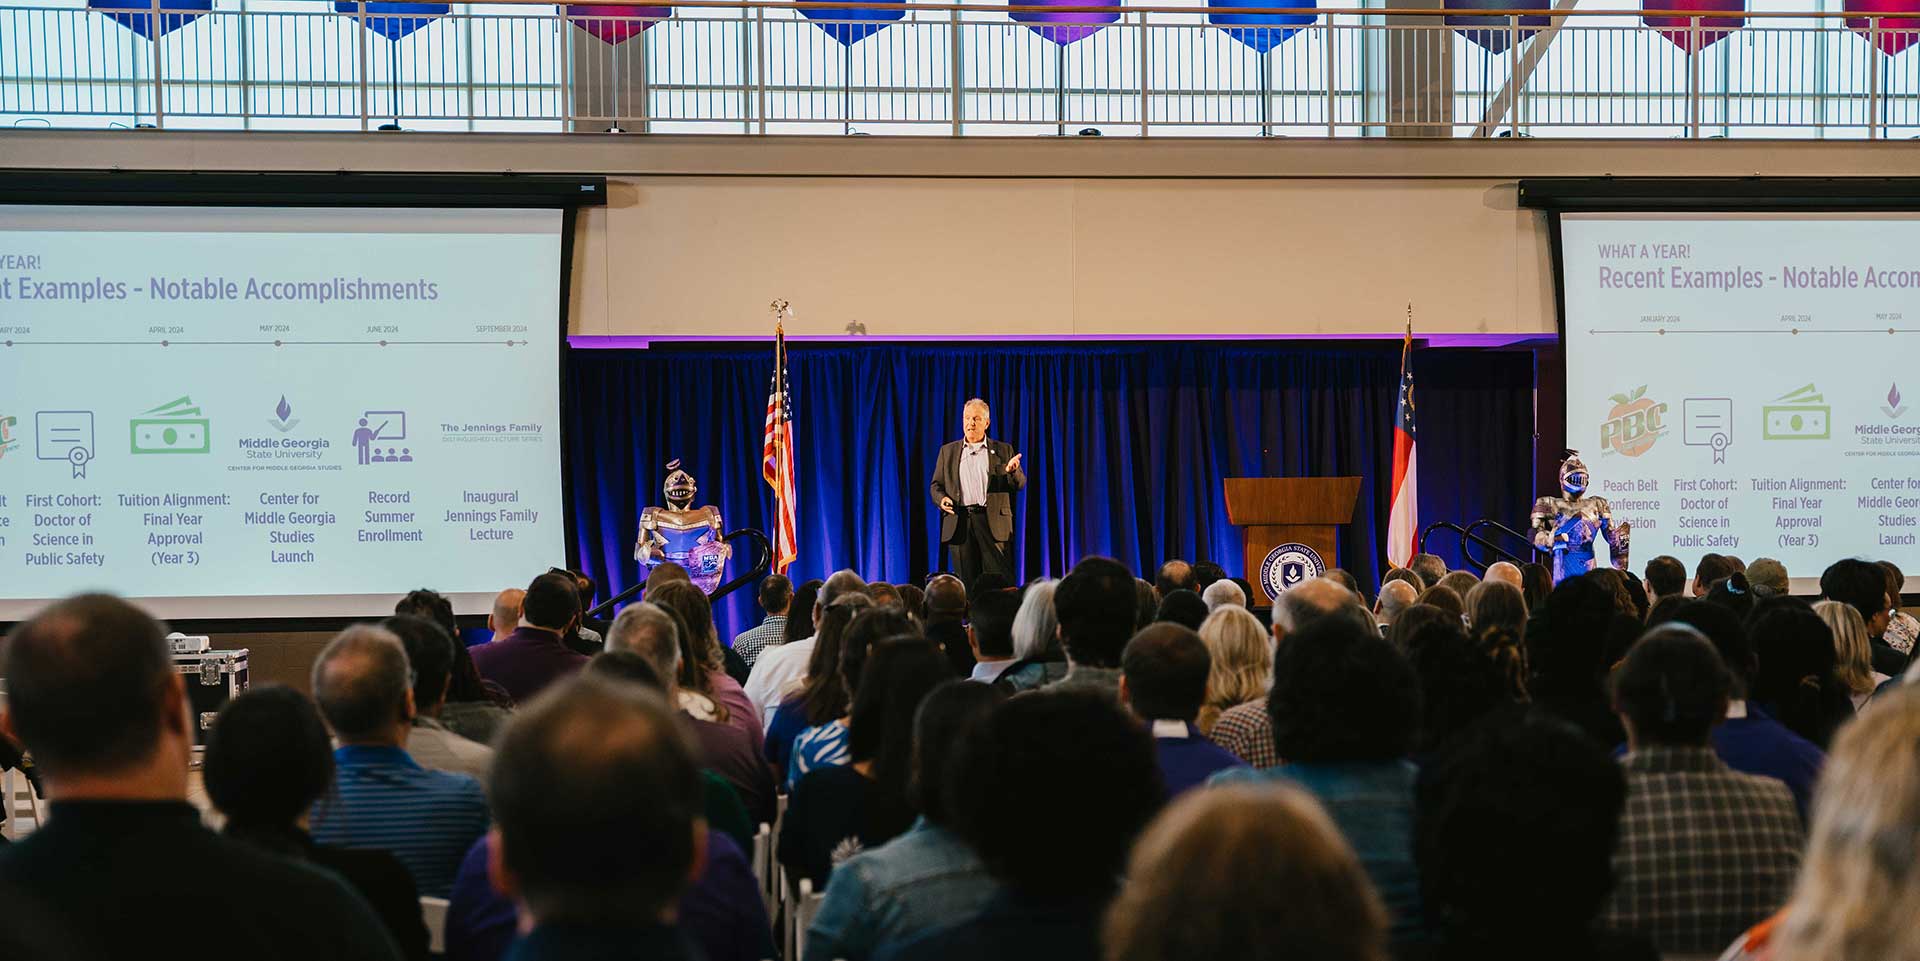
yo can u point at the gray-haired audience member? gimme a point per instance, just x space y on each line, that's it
1395 596
123 858
1223 592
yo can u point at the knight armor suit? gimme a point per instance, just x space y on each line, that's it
1568 525
686 535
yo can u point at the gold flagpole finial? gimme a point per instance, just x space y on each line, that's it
781 311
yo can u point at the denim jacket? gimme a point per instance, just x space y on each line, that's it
920 880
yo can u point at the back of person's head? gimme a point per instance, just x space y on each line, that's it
1414 620
597 804
800 614
1402 574
1071 751
1308 601
1505 571
900 672
648 630
1796 679
1165 668
429 656
1460 582
1853 654
825 696
1345 578
629 666
1857 889
1223 593
1036 629
1536 582
1567 634
1182 607
666 572
1430 568
944 721
1896 582
1460 683
1859 583
1174 575
1499 604
1146 602
913 599
89 686
1666 576
1638 592
1242 655
1615 584
946 597
700 651
1727 635
1205 573
840 583
433 606
1094 603
1342 693
1395 597
507 608
1769 576
1247 873
1733 593
552 602
268 758
360 680
867 630
991 616
776 592
884 594
1710 568
1444 598
1666 608
1673 688
1508 806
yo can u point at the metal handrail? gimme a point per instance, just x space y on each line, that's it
758 570
1533 550
1466 537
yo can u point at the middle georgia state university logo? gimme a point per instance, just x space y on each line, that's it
1289 564
1634 423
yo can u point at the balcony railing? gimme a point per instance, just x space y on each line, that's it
718 66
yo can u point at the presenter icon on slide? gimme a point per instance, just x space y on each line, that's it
379 425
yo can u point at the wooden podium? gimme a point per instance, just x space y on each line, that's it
1281 510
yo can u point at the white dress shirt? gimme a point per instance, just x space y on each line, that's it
776 670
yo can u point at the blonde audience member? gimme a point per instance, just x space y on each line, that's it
1853 663
1242 654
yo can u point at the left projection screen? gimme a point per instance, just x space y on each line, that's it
266 412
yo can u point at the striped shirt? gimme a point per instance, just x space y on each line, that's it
383 800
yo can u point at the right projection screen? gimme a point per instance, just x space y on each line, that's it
1749 384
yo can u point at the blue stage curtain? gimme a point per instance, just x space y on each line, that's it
1125 446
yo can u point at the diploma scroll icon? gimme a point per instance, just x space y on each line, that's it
65 435
1708 422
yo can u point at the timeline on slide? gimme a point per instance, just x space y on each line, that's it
234 403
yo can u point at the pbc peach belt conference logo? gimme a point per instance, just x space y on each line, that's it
1634 424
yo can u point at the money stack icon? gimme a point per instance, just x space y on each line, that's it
175 427
1797 415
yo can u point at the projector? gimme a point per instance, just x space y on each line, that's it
179 643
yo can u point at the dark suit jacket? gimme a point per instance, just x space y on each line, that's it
1000 488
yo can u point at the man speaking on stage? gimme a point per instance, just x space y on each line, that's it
973 483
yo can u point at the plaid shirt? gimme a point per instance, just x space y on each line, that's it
749 643
1705 852
1247 731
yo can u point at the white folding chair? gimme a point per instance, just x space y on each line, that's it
805 905
762 857
434 912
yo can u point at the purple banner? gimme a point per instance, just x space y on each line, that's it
1892 35
1679 30
615 23
1494 30
1063 27
1261 31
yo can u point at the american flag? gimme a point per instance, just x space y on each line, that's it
1403 525
776 453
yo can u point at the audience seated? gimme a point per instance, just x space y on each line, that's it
1463 681
1395 596
1346 579
475 708
1248 874
946 621
1223 593
1242 653
776 598
597 796
1853 898
1902 627
430 743
122 867
885 595
1094 605
1174 575
381 798
1038 659
1402 574
721 912
1749 739
707 691
840 810
1206 574
1247 730
1569 638
1710 569
778 670
1412 621
1666 577
1615 584
1429 567
1497 605
825 743
504 619
1050 790
1853 655
1146 602
268 759
1459 582
1769 577
1705 852
990 634
1508 572
1795 680
1184 608
533 656
1163 679
822 696
1864 585
1536 582
1346 708
926 877
1515 838
1446 599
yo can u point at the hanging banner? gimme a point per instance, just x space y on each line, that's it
1894 34
1062 27
615 23
1493 30
394 20
1261 31
174 14
850 25
1679 30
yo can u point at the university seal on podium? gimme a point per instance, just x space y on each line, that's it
1289 564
